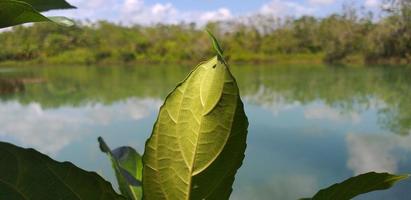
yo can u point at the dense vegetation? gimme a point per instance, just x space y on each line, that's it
347 37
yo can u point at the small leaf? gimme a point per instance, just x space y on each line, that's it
17 12
45 5
361 184
14 12
64 21
27 174
128 168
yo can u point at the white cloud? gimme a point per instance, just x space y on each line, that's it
138 11
134 11
169 14
130 6
322 2
220 14
159 9
50 130
329 113
280 8
372 3
375 152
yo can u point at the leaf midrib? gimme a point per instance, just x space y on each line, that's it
196 144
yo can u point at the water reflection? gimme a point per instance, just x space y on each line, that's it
51 130
279 186
10 86
310 126
328 113
381 153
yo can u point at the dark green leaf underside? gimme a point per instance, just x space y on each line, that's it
17 12
45 5
14 12
26 174
361 184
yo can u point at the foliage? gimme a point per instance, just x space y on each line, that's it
14 12
391 38
341 37
355 186
28 174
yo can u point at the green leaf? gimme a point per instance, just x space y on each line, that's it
28 174
14 12
128 168
64 21
17 12
45 5
199 139
361 184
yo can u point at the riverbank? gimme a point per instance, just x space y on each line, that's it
335 39
73 58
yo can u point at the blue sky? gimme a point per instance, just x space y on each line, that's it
201 11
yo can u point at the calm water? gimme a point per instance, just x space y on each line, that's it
310 126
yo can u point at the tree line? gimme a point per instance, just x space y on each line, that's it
346 37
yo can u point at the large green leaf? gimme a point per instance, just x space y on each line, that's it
128 168
28 174
18 12
361 184
199 139
45 5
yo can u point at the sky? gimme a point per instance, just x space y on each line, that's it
201 11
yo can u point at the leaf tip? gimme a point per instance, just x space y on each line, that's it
405 176
216 45
102 145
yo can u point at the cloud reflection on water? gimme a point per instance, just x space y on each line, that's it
376 152
281 186
50 130
328 113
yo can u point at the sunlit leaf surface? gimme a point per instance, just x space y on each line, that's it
199 139
28 174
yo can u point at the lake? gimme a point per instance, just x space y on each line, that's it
310 126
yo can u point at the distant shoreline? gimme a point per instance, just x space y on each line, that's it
281 59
